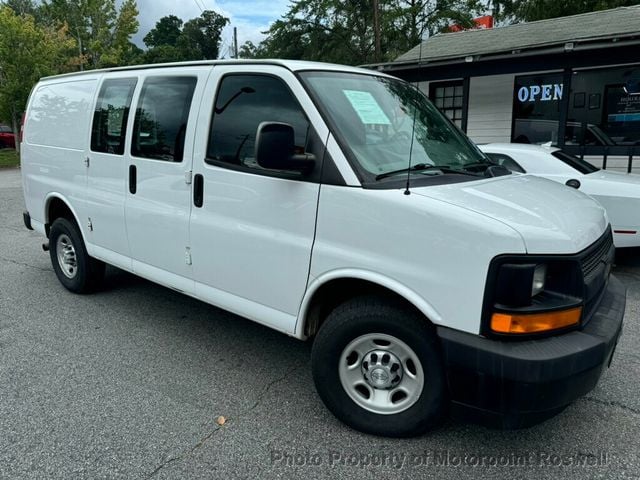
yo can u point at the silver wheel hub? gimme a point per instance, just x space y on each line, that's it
381 373
382 369
66 254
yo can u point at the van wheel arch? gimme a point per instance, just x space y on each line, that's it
336 292
58 208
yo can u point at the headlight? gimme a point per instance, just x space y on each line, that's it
532 295
539 279
518 283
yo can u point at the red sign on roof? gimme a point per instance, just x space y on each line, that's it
480 23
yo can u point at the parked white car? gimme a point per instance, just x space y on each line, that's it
304 197
618 192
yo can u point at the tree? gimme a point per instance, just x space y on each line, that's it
166 32
249 50
27 53
102 32
198 39
531 10
23 7
348 31
409 21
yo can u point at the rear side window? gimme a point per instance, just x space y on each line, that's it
161 118
243 102
575 162
111 115
59 114
506 161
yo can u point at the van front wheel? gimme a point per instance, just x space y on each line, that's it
376 365
75 269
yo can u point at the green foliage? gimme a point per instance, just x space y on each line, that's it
166 32
24 7
343 32
27 52
249 50
9 158
532 10
102 32
201 36
197 39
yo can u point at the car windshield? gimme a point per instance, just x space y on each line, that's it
374 118
575 162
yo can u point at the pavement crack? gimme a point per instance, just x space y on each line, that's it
186 453
613 403
203 440
23 264
268 387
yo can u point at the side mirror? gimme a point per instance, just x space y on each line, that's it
573 183
275 144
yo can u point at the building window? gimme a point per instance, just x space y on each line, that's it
449 98
537 101
610 114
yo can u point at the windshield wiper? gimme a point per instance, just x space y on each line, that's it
426 166
478 164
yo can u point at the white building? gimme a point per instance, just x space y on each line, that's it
572 81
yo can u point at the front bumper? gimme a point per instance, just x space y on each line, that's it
516 384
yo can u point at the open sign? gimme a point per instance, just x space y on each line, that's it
542 93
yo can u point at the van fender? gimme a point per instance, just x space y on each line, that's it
57 195
426 308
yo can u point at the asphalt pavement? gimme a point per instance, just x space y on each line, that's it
130 382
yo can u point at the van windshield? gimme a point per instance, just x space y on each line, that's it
373 117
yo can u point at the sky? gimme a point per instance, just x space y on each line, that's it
251 17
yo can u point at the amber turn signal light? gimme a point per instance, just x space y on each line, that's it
536 322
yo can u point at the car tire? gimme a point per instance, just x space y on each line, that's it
75 269
402 395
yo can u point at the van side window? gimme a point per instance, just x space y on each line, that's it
111 115
161 118
243 102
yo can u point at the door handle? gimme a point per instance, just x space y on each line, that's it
198 190
133 179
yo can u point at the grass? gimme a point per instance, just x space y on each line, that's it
9 158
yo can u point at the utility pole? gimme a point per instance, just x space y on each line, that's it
376 30
235 43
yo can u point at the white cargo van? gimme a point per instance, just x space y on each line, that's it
338 204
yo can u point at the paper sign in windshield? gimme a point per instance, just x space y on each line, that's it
367 108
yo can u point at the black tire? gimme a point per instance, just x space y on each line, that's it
88 272
375 315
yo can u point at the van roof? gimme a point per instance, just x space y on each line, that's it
292 65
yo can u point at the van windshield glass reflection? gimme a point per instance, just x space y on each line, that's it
374 116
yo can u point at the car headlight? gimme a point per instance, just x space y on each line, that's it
529 295
539 278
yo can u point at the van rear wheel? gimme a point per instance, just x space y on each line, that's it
377 367
75 269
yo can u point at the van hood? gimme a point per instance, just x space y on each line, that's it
550 217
